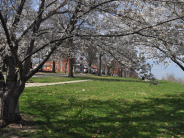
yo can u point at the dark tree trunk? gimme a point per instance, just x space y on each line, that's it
65 67
3 67
89 69
2 85
9 103
108 71
82 68
9 94
53 67
121 74
70 68
99 64
10 109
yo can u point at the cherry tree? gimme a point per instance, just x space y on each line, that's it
154 26
46 25
34 30
170 48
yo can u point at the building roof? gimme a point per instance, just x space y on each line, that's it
95 67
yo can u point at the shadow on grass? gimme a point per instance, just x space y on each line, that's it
155 117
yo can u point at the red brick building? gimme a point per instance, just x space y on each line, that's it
59 65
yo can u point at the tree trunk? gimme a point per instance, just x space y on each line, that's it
82 69
9 102
65 67
89 69
70 68
53 67
108 71
10 109
3 67
2 85
99 64
9 94
121 74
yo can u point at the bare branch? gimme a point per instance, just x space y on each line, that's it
94 7
32 72
5 29
51 42
168 1
40 13
11 45
151 26
175 61
19 11
53 13
51 3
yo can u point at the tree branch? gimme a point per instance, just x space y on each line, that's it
92 8
32 72
151 26
105 35
11 45
40 12
156 38
19 11
51 42
5 29
53 13
175 61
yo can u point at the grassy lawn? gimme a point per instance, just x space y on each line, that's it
57 72
105 107
63 79
52 79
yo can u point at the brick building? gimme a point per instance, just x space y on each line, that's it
59 65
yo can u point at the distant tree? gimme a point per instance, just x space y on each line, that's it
106 62
90 53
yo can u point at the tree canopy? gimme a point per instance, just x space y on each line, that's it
121 28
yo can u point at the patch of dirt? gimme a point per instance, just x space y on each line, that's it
21 130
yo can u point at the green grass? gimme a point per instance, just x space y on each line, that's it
52 79
106 107
54 73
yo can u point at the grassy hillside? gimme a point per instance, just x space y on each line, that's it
104 107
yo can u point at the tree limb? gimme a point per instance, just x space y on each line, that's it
53 13
11 45
19 11
51 42
32 72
